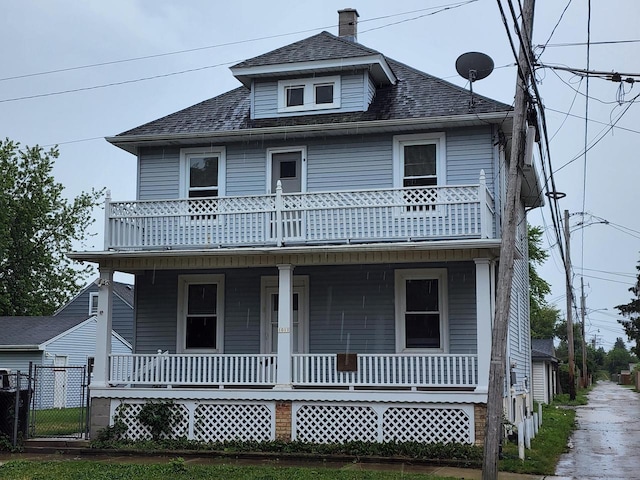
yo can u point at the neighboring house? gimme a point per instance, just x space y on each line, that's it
315 255
545 370
57 341
86 303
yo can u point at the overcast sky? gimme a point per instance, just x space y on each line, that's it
43 36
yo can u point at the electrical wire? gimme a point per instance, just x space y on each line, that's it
237 42
586 132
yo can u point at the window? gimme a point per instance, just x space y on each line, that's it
419 162
308 94
421 310
93 303
200 313
202 172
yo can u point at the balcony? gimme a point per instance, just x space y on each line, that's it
344 217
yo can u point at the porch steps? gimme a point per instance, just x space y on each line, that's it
55 445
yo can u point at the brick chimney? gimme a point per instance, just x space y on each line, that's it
348 24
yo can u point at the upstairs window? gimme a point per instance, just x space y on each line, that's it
308 94
202 172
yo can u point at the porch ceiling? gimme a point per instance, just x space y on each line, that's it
432 251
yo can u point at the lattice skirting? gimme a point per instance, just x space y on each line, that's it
205 421
330 423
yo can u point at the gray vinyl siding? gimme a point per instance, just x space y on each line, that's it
122 313
20 360
371 89
265 98
519 344
159 174
350 164
468 152
350 308
462 308
246 169
156 312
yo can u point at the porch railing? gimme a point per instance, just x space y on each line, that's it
388 215
387 371
181 370
308 370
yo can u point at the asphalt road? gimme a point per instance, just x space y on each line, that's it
606 444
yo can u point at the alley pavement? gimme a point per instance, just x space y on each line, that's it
606 444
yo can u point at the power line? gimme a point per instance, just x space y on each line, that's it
582 44
237 42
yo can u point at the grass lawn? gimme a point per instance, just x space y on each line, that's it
177 469
57 421
558 421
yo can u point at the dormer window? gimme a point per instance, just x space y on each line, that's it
301 95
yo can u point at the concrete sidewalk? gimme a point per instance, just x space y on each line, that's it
195 459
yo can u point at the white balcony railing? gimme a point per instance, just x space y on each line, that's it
181 370
385 215
387 371
309 370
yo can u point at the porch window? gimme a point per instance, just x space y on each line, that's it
421 310
200 322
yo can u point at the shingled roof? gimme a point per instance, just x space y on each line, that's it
32 331
543 349
323 46
415 95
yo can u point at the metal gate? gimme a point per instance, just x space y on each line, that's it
59 406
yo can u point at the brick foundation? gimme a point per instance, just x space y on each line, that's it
480 416
283 421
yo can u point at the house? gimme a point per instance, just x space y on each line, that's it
315 255
86 303
56 343
544 365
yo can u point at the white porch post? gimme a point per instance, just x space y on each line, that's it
285 316
103 332
484 311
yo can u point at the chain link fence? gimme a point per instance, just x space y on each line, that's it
59 402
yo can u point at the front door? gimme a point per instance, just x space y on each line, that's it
270 319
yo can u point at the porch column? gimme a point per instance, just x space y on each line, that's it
103 330
285 316
484 324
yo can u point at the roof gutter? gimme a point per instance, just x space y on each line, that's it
8 348
126 142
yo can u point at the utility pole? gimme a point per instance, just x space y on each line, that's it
567 270
585 376
497 365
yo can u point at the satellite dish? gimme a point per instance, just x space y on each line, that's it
474 66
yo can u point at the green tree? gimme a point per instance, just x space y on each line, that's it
631 311
37 226
618 358
543 317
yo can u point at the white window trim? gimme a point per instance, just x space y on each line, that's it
309 94
303 167
267 285
401 276
187 153
92 295
183 283
400 141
